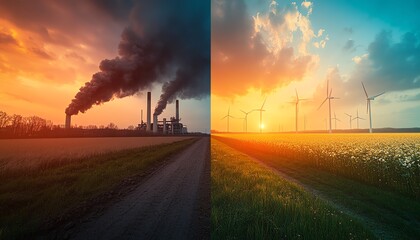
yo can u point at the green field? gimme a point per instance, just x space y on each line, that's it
251 202
31 198
372 178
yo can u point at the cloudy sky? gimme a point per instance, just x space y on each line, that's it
267 49
50 49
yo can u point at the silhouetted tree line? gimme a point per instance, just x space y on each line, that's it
17 126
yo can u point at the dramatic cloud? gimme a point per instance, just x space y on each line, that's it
263 51
388 66
163 44
52 19
394 66
6 38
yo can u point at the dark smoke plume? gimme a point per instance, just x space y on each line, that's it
166 42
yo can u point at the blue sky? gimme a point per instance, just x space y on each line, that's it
377 42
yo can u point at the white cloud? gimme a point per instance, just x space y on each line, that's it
279 28
306 4
322 43
358 59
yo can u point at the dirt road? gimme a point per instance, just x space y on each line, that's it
173 203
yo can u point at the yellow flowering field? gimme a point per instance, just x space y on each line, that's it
390 161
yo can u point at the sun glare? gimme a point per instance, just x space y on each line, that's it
262 126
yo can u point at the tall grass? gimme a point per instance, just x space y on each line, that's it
31 198
251 202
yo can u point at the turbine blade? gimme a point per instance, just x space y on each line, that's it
364 89
377 95
244 112
297 96
362 118
330 93
263 103
322 103
224 117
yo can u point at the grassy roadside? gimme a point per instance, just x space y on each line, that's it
28 200
250 202
391 215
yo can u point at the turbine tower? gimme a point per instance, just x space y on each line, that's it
335 121
368 106
296 102
357 118
228 116
246 119
329 98
261 110
350 119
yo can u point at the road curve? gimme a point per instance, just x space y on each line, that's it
165 206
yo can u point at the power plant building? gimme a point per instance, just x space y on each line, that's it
164 126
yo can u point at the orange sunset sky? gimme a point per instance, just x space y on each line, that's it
49 49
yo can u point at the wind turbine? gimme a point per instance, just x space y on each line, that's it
368 107
335 121
228 116
357 118
297 107
246 119
350 118
329 98
261 110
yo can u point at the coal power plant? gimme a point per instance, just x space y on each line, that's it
153 126
171 126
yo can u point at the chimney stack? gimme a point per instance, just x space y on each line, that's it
177 110
149 109
155 123
164 126
68 121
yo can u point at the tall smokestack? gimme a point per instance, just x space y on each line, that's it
155 123
164 126
177 110
142 116
68 121
149 109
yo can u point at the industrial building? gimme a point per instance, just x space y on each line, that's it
171 126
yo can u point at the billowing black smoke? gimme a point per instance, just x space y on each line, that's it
166 42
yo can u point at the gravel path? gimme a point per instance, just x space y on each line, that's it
173 203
